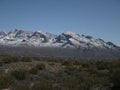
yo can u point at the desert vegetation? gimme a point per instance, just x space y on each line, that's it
31 73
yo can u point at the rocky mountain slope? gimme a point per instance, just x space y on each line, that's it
41 39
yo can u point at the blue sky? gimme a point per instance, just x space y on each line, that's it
97 18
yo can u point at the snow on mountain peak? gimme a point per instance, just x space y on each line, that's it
42 39
69 33
40 31
2 34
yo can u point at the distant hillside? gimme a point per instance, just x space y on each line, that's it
93 53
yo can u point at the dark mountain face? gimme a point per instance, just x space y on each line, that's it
22 34
2 34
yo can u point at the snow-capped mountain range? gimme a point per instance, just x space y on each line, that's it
40 39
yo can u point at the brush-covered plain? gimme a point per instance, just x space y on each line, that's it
31 73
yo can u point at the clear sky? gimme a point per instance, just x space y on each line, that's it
97 18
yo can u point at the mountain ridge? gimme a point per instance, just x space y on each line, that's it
44 39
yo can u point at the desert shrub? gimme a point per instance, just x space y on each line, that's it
26 59
86 85
77 62
40 66
88 64
5 81
20 74
1 63
71 70
92 70
70 83
67 63
22 87
117 63
92 81
43 85
115 78
52 60
103 73
9 59
33 71
101 65
104 81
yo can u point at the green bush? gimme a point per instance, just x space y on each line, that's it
22 87
115 77
26 59
67 63
1 63
71 70
101 65
9 59
40 66
117 63
5 81
88 64
43 85
70 83
84 86
77 63
33 71
20 74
